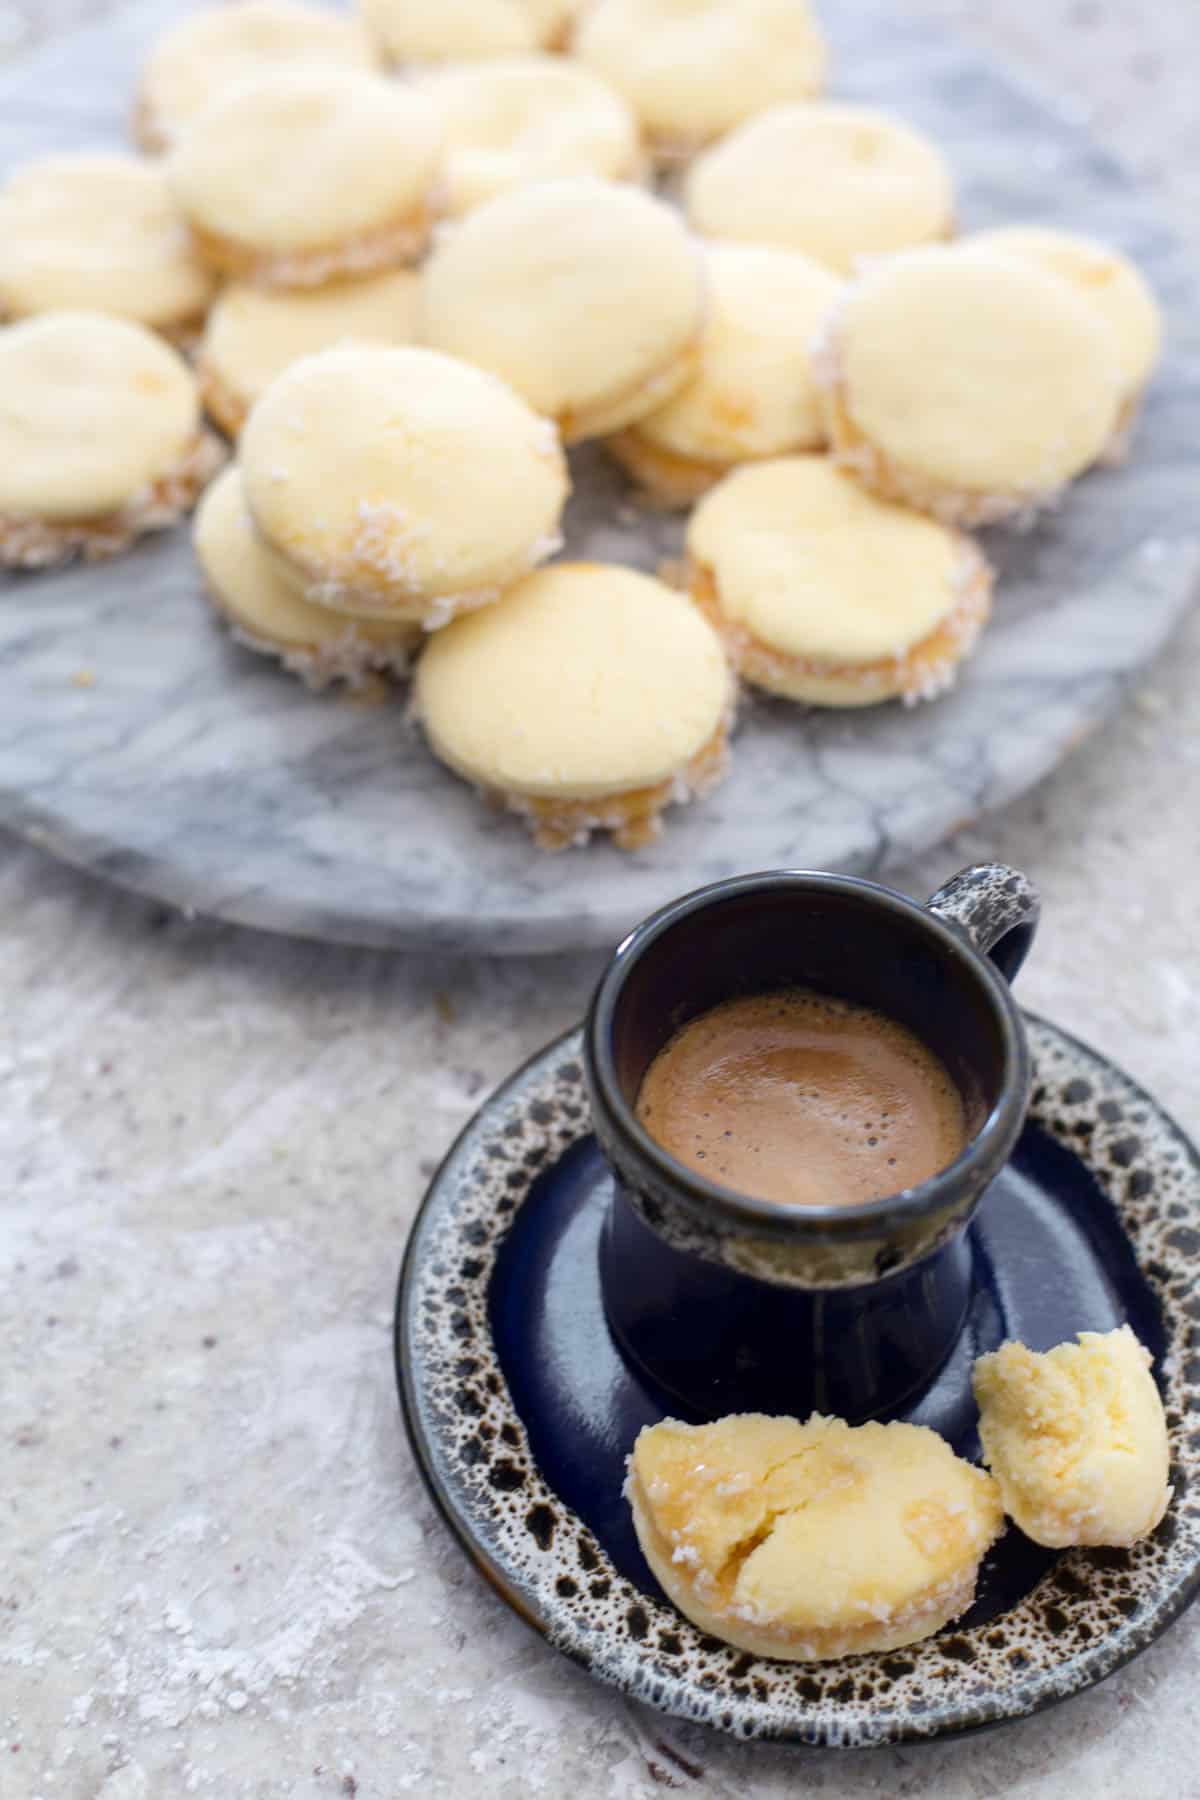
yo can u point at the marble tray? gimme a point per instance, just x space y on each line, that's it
137 741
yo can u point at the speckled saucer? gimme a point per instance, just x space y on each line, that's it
521 1411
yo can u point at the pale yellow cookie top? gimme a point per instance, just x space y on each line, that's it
585 680
1076 1438
753 393
815 1527
1108 281
692 69
576 291
93 411
98 230
402 471
306 159
528 118
838 182
813 566
252 591
202 57
254 333
977 371
426 31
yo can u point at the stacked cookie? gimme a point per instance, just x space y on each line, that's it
418 251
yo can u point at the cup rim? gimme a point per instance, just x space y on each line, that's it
988 1148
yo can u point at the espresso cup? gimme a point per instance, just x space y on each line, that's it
724 1302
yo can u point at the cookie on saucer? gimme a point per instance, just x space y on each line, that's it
694 69
588 699
811 1541
752 394
519 119
266 613
399 483
838 182
207 53
587 297
99 231
1109 283
972 385
253 334
410 32
310 175
100 438
825 594
1076 1438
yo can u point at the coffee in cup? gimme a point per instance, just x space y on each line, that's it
803 1098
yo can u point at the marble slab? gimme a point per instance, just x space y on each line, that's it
137 741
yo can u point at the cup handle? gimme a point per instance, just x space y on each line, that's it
997 908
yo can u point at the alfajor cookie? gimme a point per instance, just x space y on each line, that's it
209 52
445 31
519 119
588 699
401 484
586 296
811 1541
838 182
752 394
264 611
305 176
1076 1438
972 385
253 334
100 437
694 69
1112 286
825 594
99 231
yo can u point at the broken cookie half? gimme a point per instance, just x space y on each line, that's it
1076 1438
811 1541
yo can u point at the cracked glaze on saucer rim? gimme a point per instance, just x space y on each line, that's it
1090 1614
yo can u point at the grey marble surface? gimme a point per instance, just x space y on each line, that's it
136 740
218 1573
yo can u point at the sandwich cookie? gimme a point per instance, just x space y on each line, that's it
445 31
100 438
99 232
211 51
305 176
589 699
752 394
528 118
1076 1438
587 297
827 595
1118 293
974 386
694 69
265 613
253 334
809 1542
400 484
838 182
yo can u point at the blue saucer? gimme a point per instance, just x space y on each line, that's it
522 1411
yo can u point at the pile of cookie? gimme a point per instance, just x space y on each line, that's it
400 260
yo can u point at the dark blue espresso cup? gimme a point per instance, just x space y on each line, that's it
724 1302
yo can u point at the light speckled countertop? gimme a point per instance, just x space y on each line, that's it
218 1572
